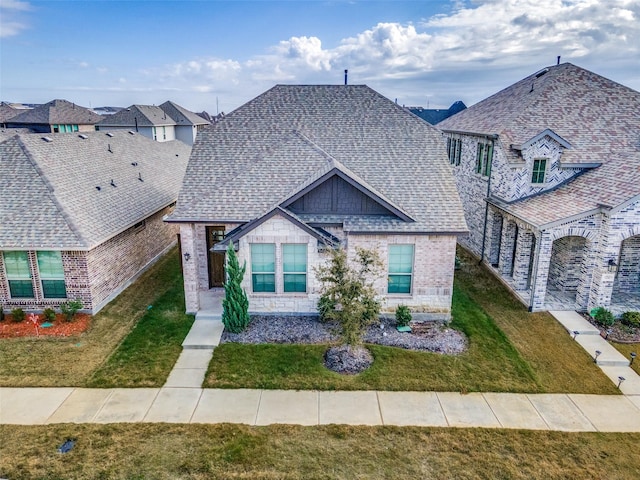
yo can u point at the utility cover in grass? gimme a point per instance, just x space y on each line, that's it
347 359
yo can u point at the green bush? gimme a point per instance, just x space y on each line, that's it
70 309
603 317
235 305
403 316
49 314
325 306
18 315
631 319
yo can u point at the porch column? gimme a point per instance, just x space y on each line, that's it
189 261
507 244
494 238
602 282
586 275
524 244
541 272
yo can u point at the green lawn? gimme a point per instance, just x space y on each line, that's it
510 350
163 451
101 356
626 349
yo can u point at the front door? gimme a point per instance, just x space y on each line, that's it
216 260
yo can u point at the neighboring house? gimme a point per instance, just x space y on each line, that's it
57 116
7 112
81 214
147 120
188 124
301 169
437 115
548 171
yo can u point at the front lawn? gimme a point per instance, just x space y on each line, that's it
510 350
626 349
87 359
163 451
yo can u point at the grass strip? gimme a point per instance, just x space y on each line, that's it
163 451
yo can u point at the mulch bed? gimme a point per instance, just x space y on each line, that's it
618 333
60 327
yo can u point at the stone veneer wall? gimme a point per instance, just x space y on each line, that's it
97 276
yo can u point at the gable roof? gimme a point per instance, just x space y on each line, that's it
48 194
140 115
282 141
181 115
596 121
7 112
57 112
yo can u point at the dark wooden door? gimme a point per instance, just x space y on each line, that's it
216 260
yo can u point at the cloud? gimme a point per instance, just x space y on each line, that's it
11 17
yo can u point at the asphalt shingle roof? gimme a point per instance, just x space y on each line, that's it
598 117
259 155
48 194
57 112
181 115
141 115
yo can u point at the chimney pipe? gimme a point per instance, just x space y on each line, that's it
558 60
345 76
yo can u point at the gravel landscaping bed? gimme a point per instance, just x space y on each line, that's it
429 337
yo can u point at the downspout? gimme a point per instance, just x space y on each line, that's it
486 207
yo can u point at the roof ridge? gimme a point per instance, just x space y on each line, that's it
70 223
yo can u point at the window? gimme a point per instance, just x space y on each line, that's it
539 170
62 128
294 267
16 265
155 134
400 268
263 267
51 274
454 150
164 133
484 156
138 227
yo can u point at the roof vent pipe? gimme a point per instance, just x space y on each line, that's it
558 60
346 72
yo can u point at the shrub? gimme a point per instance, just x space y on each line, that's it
347 289
325 305
18 315
235 305
49 314
70 309
403 315
603 317
631 319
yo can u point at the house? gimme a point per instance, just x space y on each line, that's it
81 214
437 115
188 124
548 171
7 112
167 122
301 169
57 116
147 120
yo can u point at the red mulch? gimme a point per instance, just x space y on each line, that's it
60 328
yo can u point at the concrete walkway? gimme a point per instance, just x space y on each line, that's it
611 361
560 412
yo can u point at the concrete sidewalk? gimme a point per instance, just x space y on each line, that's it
560 412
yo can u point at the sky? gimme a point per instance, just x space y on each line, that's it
217 55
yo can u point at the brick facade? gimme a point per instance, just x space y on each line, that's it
99 275
571 257
432 282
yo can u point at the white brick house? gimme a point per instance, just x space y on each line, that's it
301 169
548 171
81 215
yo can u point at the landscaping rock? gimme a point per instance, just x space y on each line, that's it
347 359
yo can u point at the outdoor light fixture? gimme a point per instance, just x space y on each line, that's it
187 256
598 353
608 332
633 357
575 334
620 380
612 265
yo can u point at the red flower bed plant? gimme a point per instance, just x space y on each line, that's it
29 328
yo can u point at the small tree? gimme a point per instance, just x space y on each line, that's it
235 305
348 295
70 308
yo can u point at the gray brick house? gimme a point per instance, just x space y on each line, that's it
81 215
301 169
548 171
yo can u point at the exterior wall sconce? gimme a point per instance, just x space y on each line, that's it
187 256
612 265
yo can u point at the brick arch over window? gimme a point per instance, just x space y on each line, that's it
589 234
631 232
